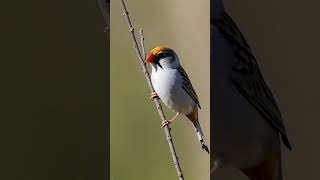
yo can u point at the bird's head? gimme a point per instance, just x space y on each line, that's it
164 58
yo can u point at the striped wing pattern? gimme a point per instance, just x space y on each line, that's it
187 86
247 77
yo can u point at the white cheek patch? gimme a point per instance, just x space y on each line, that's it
169 62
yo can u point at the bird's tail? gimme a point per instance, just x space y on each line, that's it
200 136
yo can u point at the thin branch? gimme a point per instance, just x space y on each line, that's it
142 44
156 100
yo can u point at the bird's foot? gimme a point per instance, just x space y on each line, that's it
165 123
154 95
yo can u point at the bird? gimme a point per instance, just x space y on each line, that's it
246 122
172 85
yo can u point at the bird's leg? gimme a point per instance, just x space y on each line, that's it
167 122
174 117
154 95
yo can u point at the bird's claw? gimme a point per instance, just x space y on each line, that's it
154 95
165 123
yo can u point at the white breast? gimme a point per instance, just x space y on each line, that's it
168 85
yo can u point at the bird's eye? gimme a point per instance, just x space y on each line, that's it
163 55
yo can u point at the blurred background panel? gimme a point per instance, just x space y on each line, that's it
284 36
54 91
139 150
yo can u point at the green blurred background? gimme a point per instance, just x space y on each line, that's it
139 150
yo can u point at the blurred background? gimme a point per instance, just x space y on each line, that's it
54 91
139 149
284 36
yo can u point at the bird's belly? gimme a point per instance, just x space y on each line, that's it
176 99
171 93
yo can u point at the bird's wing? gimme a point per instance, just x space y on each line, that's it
187 86
247 77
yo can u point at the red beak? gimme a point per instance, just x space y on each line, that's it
151 58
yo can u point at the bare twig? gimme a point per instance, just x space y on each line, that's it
142 44
156 100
